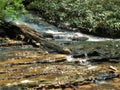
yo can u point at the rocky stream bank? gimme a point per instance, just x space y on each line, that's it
29 60
92 66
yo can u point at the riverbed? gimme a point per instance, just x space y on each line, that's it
93 64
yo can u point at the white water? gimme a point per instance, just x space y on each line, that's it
69 58
39 25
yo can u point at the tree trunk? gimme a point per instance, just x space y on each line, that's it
23 32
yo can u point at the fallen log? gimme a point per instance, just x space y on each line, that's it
23 32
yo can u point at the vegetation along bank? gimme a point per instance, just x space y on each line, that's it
97 17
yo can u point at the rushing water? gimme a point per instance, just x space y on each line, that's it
38 24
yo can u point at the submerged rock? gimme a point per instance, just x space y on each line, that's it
65 36
79 38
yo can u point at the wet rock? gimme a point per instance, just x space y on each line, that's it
107 51
95 53
2 33
79 55
105 76
88 54
67 36
48 35
29 35
113 68
79 38
104 59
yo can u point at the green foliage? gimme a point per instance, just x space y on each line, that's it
89 14
10 8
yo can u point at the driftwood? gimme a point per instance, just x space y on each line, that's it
23 32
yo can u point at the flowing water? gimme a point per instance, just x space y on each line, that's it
75 68
37 23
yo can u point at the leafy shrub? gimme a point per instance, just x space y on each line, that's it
87 14
10 8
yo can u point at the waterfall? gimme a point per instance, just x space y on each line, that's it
69 58
86 56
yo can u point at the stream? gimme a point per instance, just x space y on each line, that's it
94 63
38 24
